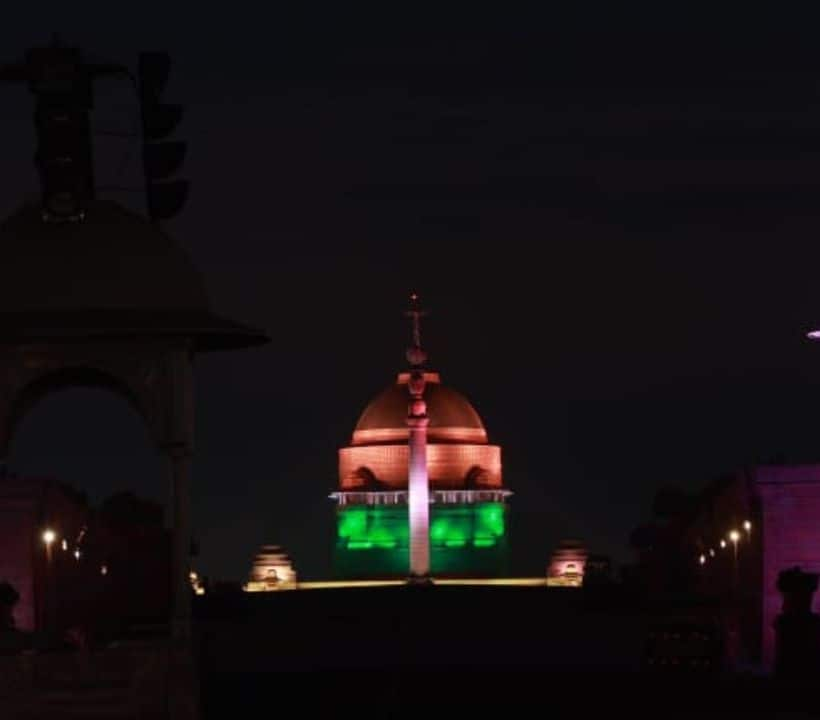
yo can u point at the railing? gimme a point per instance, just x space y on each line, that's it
399 497
117 682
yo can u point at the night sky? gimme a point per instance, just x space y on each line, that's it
614 221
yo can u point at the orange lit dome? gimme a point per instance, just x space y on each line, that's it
458 453
452 418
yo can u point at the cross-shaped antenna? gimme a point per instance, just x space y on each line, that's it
415 355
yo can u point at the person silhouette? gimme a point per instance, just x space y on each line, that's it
797 628
12 639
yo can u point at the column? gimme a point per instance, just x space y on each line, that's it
177 445
419 501
180 461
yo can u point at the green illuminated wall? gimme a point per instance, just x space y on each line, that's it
465 539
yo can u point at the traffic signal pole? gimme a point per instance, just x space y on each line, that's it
62 84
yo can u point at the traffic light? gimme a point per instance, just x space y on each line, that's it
61 84
161 160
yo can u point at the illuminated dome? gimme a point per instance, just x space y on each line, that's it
420 486
452 418
458 453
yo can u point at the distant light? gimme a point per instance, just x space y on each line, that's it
193 576
723 543
712 552
49 536
104 570
703 559
64 544
813 335
747 526
734 536
77 554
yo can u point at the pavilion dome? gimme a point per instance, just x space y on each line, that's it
452 417
113 273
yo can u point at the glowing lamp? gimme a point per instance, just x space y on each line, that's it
77 554
723 543
64 544
712 552
703 559
104 570
813 335
49 536
747 526
734 536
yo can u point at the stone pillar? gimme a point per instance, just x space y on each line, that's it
180 461
418 485
177 445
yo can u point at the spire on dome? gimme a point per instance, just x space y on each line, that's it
415 355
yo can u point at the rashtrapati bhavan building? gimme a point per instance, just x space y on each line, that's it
468 500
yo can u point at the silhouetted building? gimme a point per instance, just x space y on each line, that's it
598 570
731 545
30 508
104 570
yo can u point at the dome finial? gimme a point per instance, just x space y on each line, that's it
415 355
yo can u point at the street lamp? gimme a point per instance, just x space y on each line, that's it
747 526
49 536
734 536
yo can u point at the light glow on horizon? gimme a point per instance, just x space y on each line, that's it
341 584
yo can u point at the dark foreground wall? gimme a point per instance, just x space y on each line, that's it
469 627
383 651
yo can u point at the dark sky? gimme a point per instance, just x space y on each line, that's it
614 220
